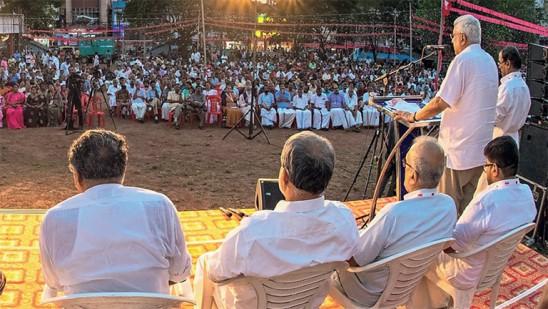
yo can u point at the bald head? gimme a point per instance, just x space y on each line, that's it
428 159
308 160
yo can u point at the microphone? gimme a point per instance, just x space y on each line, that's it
436 46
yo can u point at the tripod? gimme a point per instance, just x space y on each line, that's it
252 116
95 86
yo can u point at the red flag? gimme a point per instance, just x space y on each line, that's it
445 8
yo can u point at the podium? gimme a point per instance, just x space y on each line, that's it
401 136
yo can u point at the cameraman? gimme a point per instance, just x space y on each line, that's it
74 83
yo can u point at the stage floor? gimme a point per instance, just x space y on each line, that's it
204 230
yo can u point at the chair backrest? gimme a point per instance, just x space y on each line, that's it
125 300
405 269
497 254
295 289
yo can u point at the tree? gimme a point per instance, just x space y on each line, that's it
39 14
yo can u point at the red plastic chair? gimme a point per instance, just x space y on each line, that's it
213 104
94 110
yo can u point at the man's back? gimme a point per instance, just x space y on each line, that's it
502 207
424 216
112 238
470 89
294 236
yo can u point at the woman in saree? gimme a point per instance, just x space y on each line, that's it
15 101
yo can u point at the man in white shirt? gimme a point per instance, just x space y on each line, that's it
513 101
503 206
302 113
422 217
109 237
467 98
321 113
302 231
351 101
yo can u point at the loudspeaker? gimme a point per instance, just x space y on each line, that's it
533 154
537 79
540 195
267 194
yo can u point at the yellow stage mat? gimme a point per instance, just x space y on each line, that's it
19 255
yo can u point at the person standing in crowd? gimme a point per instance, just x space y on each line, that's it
133 234
467 98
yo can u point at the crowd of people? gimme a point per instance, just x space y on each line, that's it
298 90
140 245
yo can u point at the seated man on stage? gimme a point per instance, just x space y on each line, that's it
303 230
268 111
503 206
424 215
303 114
321 113
286 113
109 237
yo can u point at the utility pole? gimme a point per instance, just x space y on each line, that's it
410 32
440 41
203 32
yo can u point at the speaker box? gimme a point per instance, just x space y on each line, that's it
537 52
537 70
267 194
533 146
537 89
539 107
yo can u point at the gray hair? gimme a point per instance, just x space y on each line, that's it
98 154
471 27
429 160
309 160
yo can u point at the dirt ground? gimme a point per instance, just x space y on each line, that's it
195 168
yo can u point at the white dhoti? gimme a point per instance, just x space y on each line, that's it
139 108
371 117
268 117
358 120
112 101
341 117
167 108
321 118
286 117
244 111
304 119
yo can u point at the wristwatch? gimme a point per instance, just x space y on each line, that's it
414 117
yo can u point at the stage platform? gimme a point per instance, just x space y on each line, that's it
204 230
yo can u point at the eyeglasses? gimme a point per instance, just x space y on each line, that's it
486 165
405 165
452 36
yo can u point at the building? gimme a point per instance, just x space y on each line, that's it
90 12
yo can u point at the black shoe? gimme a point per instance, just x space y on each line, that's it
155 119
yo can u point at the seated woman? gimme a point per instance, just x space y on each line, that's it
14 108
231 109
35 111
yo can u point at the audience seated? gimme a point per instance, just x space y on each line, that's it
423 216
503 206
302 231
109 237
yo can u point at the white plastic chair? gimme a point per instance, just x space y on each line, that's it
124 300
405 270
295 289
497 253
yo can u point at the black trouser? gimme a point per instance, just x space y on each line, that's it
74 101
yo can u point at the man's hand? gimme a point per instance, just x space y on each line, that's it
405 116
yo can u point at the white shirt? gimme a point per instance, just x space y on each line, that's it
351 101
269 243
503 206
513 105
113 238
423 216
470 89
300 102
319 101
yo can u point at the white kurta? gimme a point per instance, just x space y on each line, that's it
269 243
321 114
139 106
423 216
513 105
113 238
111 92
470 90
483 220
352 104
303 114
